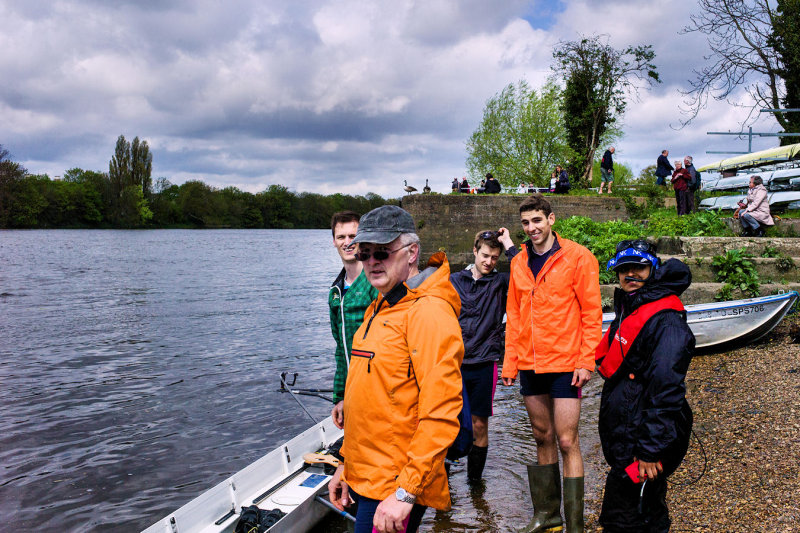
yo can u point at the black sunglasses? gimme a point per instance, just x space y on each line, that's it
379 255
637 244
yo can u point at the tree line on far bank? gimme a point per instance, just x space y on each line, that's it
126 197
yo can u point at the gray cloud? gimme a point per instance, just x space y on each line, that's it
349 97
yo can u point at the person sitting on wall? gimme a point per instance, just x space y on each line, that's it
754 212
465 186
492 185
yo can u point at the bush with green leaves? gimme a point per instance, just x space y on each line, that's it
707 223
600 238
737 272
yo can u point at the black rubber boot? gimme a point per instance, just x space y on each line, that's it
476 460
573 504
544 482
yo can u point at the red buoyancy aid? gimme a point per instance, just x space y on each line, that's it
609 358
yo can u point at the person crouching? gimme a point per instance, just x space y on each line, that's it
644 415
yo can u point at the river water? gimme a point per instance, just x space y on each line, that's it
140 368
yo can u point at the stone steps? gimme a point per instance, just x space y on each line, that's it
775 269
699 293
711 246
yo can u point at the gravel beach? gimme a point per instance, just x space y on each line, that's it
746 404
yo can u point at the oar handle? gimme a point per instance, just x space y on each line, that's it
329 505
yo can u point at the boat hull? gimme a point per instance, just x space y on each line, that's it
721 325
279 480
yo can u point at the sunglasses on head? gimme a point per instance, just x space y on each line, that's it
379 255
488 235
637 244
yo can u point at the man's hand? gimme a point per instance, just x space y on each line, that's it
337 414
649 470
580 377
390 514
508 381
505 238
338 491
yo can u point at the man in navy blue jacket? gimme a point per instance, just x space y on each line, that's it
483 293
663 168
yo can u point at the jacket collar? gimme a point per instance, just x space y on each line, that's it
339 279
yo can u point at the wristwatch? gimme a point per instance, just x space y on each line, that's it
403 496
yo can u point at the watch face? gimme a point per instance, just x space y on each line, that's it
401 493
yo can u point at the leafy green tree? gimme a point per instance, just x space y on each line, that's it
119 171
29 202
165 204
11 173
130 166
133 209
599 79
521 136
785 39
90 194
141 166
753 47
647 174
276 207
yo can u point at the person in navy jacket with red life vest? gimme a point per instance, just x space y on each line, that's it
644 415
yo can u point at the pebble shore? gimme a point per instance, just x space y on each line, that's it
746 405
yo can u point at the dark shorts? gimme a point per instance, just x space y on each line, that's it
556 384
480 381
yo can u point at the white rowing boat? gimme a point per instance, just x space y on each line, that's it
720 325
279 480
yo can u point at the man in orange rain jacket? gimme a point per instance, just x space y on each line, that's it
553 326
403 393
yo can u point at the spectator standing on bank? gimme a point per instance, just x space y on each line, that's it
663 168
562 185
694 182
754 212
680 184
607 170
454 186
492 185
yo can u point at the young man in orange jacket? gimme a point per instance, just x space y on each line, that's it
554 325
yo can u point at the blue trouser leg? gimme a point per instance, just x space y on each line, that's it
748 222
366 512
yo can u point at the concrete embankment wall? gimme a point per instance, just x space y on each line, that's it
450 222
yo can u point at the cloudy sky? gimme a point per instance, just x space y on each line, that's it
320 95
